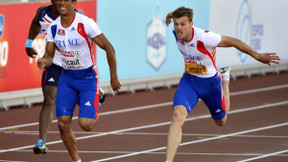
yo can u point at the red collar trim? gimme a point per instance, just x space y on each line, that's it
192 36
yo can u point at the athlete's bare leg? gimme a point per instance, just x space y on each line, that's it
225 86
68 136
175 132
226 91
46 114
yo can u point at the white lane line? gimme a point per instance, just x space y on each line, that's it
193 142
159 153
263 156
11 161
154 106
149 126
101 114
259 90
145 134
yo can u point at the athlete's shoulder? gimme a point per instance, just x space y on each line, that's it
43 10
198 31
46 11
82 17
202 34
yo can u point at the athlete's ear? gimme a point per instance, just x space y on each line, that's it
191 23
74 2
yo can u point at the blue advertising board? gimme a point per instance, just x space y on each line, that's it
144 45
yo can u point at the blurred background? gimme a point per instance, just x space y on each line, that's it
146 52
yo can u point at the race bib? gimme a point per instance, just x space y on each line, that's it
72 63
195 69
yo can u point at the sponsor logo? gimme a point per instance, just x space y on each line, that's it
242 27
191 59
88 103
4 47
1 25
257 32
156 40
51 80
61 32
192 45
73 29
217 111
70 53
67 53
77 53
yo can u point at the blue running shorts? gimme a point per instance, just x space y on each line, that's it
74 85
51 75
191 88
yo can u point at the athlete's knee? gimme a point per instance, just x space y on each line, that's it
49 93
63 126
49 100
179 116
87 125
86 128
221 122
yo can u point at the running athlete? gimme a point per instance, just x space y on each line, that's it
73 35
45 15
201 78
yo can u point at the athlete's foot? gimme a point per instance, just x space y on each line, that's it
102 95
40 147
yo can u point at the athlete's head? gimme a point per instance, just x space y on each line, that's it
183 22
66 7
54 7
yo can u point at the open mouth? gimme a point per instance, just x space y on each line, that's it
179 33
62 9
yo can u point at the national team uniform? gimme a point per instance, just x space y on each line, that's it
50 74
201 78
79 78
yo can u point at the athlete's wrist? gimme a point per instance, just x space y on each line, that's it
260 58
29 43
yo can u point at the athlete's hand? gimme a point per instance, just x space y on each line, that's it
115 84
169 18
41 63
31 52
267 58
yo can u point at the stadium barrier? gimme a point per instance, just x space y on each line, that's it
34 96
139 68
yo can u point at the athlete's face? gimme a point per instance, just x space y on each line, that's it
65 7
183 28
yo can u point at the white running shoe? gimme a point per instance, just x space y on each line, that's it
225 73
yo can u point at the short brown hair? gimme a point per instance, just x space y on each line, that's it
183 11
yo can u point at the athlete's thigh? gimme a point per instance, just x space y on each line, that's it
214 99
49 93
67 97
185 95
89 105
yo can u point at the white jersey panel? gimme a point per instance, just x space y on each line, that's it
74 42
199 53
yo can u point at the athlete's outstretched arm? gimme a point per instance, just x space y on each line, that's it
35 28
265 58
103 43
47 59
